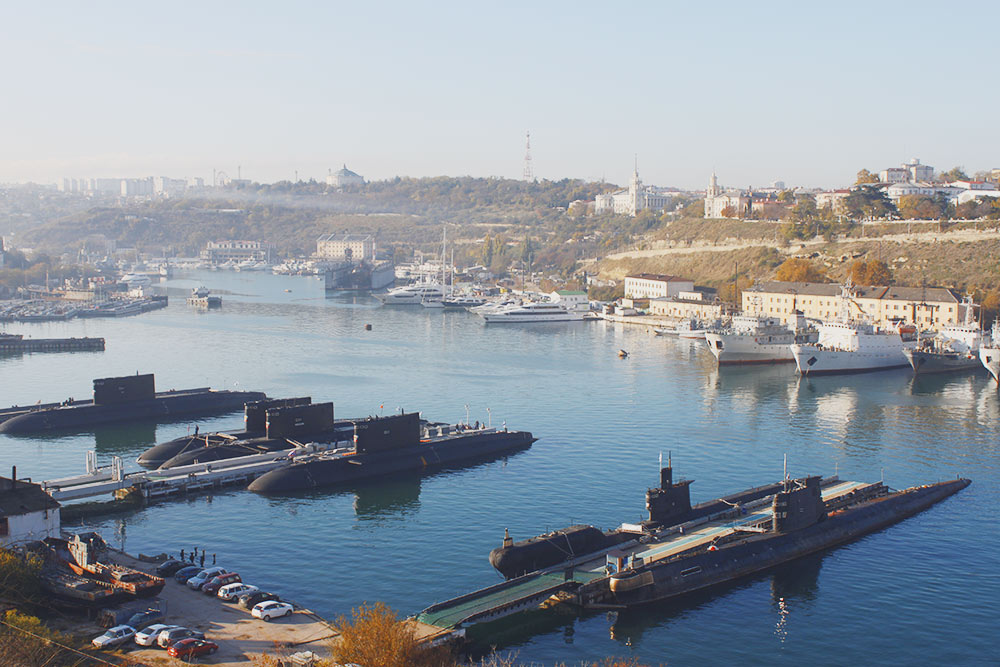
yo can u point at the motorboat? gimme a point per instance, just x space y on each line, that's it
411 295
532 311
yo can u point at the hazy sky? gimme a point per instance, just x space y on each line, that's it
803 92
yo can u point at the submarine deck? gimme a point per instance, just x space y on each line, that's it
530 590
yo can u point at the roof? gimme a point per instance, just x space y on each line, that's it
662 278
23 497
892 292
347 172
570 292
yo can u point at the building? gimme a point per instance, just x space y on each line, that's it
690 304
634 199
721 203
357 247
927 307
651 286
344 177
166 187
835 200
27 513
218 252
3 252
912 172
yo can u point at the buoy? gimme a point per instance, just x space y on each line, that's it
368 327
622 354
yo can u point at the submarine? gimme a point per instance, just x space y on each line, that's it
668 504
124 399
392 444
268 426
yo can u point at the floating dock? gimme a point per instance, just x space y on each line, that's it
586 578
17 343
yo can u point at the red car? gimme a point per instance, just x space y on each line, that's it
191 647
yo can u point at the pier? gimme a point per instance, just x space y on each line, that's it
584 580
14 343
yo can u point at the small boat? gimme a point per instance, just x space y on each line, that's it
622 354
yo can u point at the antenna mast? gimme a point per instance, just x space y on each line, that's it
528 173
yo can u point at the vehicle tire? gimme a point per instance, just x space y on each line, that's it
266 618
213 651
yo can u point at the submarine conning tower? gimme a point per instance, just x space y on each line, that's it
255 412
671 502
114 391
798 505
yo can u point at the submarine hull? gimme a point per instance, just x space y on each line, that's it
336 470
164 405
659 581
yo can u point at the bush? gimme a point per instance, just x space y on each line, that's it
375 637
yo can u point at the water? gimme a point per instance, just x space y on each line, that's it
923 591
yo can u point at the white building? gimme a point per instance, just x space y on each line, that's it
724 204
344 177
912 172
833 199
632 200
651 286
357 247
27 513
218 252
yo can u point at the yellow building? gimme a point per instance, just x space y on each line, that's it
927 307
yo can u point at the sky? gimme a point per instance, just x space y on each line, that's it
806 93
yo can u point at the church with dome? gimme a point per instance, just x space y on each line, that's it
342 177
632 200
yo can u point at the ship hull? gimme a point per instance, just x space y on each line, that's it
924 362
813 360
165 405
990 358
658 582
332 471
730 350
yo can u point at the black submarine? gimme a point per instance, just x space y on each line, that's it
392 444
123 399
271 425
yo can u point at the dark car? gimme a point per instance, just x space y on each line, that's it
191 647
168 638
169 567
250 599
185 573
145 618
212 586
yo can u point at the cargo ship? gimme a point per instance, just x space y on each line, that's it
123 399
270 425
682 549
394 444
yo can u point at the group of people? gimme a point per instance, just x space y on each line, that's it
194 554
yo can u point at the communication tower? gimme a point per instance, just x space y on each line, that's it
528 173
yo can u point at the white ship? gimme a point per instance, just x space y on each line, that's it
757 339
532 311
851 346
989 354
955 348
411 295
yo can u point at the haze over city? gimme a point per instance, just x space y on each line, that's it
780 91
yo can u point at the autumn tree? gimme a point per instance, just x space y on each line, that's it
953 174
375 637
865 177
799 270
871 272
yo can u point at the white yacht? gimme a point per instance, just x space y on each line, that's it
411 295
532 311
757 339
852 346
989 354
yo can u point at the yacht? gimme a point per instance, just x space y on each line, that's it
532 311
758 339
989 354
955 348
853 346
411 295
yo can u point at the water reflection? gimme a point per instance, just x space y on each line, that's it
113 438
394 498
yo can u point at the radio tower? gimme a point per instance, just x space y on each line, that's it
528 174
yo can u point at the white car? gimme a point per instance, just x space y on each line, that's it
147 636
232 592
198 580
265 611
115 636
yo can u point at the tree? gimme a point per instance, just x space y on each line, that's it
868 201
872 272
804 209
865 177
953 174
374 636
695 209
799 270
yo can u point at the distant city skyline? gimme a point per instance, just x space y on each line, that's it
757 93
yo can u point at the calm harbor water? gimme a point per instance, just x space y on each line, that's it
923 591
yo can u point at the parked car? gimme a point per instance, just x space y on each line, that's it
266 611
115 636
167 638
185 573
147 636
198 580
212 586
250 600
169 567
230 592
191 647
144 618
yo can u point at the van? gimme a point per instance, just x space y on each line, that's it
212 586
